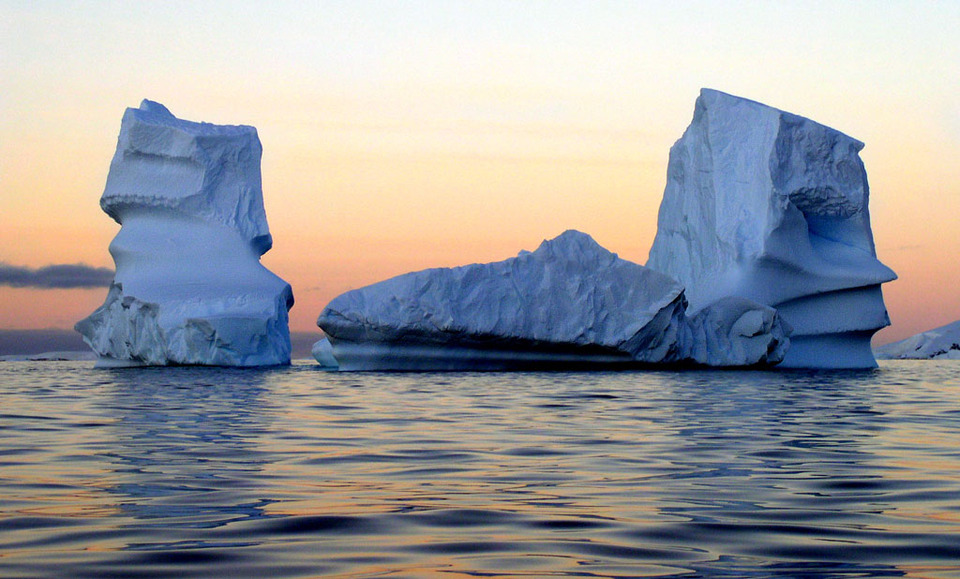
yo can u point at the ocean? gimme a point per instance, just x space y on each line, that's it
298 472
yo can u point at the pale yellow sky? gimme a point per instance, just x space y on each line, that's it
399 136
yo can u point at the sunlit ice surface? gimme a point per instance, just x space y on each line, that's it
297 472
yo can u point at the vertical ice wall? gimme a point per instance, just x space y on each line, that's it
773 207
189 287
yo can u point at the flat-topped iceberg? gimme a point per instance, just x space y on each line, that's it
189 287
772 207
941 343
570 303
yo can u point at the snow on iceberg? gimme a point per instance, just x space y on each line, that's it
770 206
941 343
189 287
570 303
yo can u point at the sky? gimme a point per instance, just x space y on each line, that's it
404 135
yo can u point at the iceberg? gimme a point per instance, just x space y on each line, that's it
322 352
773 207
941 343
189 287
569 304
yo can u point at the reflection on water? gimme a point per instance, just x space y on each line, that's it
298 473
184 448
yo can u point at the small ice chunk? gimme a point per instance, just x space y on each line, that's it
570 303
735 331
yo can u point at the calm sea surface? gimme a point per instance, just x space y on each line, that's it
296 472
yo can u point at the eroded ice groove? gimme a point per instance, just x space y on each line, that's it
189 287
569 303
941 343
773 207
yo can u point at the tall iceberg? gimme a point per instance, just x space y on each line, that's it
189 287
570 303
770 206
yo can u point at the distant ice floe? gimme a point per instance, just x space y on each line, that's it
941 343
189 287
66 356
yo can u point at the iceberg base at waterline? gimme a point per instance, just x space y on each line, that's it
240 330
413 357
322 352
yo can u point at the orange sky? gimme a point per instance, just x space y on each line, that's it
403 136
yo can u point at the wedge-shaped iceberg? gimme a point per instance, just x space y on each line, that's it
941 343
770 206
570 303
189 287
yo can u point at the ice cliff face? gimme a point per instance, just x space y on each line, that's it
189 287
941 343
773 207
570 302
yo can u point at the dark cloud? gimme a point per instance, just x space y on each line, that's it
29 342
56 276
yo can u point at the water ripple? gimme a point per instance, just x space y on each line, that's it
295 472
